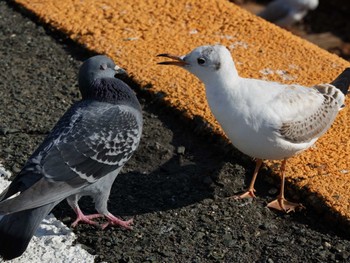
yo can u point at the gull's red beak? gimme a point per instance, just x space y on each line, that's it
177 61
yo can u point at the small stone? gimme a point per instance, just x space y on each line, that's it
16 169
227 240
344 255
181 150
214 207
280 239
158 146
138 248
273 191
302 240
3 130
327 244
8 150
322 254
205 219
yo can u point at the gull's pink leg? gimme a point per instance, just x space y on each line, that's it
281 203
251 190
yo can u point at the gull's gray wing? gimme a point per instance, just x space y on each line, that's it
307 113
91 140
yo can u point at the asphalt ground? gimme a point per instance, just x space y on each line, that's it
178 184
134 32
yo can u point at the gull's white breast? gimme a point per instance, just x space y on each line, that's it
248 119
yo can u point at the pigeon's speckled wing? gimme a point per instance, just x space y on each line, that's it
91 140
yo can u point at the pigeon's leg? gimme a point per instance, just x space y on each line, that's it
101 198
281 203
114 221
84 218
73 203
251 190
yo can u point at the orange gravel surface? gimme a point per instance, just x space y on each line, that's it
134 32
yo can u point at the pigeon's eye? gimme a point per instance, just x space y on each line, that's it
200 61
103 66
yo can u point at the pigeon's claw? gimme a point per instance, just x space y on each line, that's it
114 221
87 219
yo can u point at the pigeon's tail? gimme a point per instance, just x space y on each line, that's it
17 229
342 82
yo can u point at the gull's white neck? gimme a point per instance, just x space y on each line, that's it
225 75
222 85
231 104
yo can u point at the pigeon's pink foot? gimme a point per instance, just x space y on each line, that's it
87 219
114 221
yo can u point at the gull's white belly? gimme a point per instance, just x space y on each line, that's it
258 142
252 112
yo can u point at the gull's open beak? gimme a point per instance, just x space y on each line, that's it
177 61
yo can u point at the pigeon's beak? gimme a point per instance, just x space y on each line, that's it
120 71
177 61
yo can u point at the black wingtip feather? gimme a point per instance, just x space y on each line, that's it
342 82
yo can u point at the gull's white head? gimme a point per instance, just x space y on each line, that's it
204 61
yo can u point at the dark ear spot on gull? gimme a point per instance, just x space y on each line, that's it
218 65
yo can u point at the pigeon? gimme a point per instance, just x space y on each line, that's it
264 119
285 13
81 156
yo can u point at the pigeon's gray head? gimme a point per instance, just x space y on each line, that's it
94 68
204 61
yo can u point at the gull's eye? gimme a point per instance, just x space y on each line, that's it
200 61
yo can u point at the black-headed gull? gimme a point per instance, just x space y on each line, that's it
263 119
